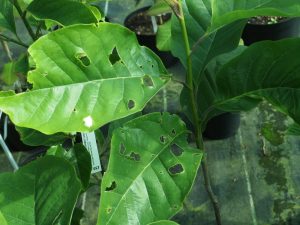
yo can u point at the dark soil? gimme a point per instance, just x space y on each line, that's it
264 20
141 23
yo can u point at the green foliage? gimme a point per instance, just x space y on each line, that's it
88 74
7 16
43 192
33 137
84 80
163 222
64 12
163 36
150 159
226 12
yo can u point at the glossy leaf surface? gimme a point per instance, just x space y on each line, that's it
267 70
150 172
85 77
205 46
163 36
228 11
64 12
6 16
43 192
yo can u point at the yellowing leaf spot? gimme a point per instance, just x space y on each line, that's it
88 121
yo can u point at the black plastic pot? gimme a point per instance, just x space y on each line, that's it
256 32
222 126
149 39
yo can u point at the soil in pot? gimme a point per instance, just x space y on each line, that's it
270 28
142 24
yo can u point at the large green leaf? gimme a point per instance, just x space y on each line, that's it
43 192
65 12
6 16
150 172
85 77
267 70
225 12
197 14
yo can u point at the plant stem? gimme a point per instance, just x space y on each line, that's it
7 50
196 119
5 38
23 17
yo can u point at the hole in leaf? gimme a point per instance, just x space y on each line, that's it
109 210
152 65
161 172
141 66
83 58
111 187
173 132
135 156
74 110
176 169
131 104
147 81
122 149
114 56
176 150
175 207
163 139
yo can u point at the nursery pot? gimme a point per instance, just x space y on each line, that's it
140 23
222 126
257 32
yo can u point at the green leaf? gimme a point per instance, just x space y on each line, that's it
43 192
159 7
13 70
78 214
2 219
79 158
33 137
64 12
85 77
267 70
163 36
294 129
205 46
6 16
226 12
164 222
150 172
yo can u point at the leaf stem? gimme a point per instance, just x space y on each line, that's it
6 50
23 17
196 119
6 38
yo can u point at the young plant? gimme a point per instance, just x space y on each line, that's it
89 73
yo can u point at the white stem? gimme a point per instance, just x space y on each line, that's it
8 154
106 7
154 24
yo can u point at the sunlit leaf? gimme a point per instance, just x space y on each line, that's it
85 77
150 172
